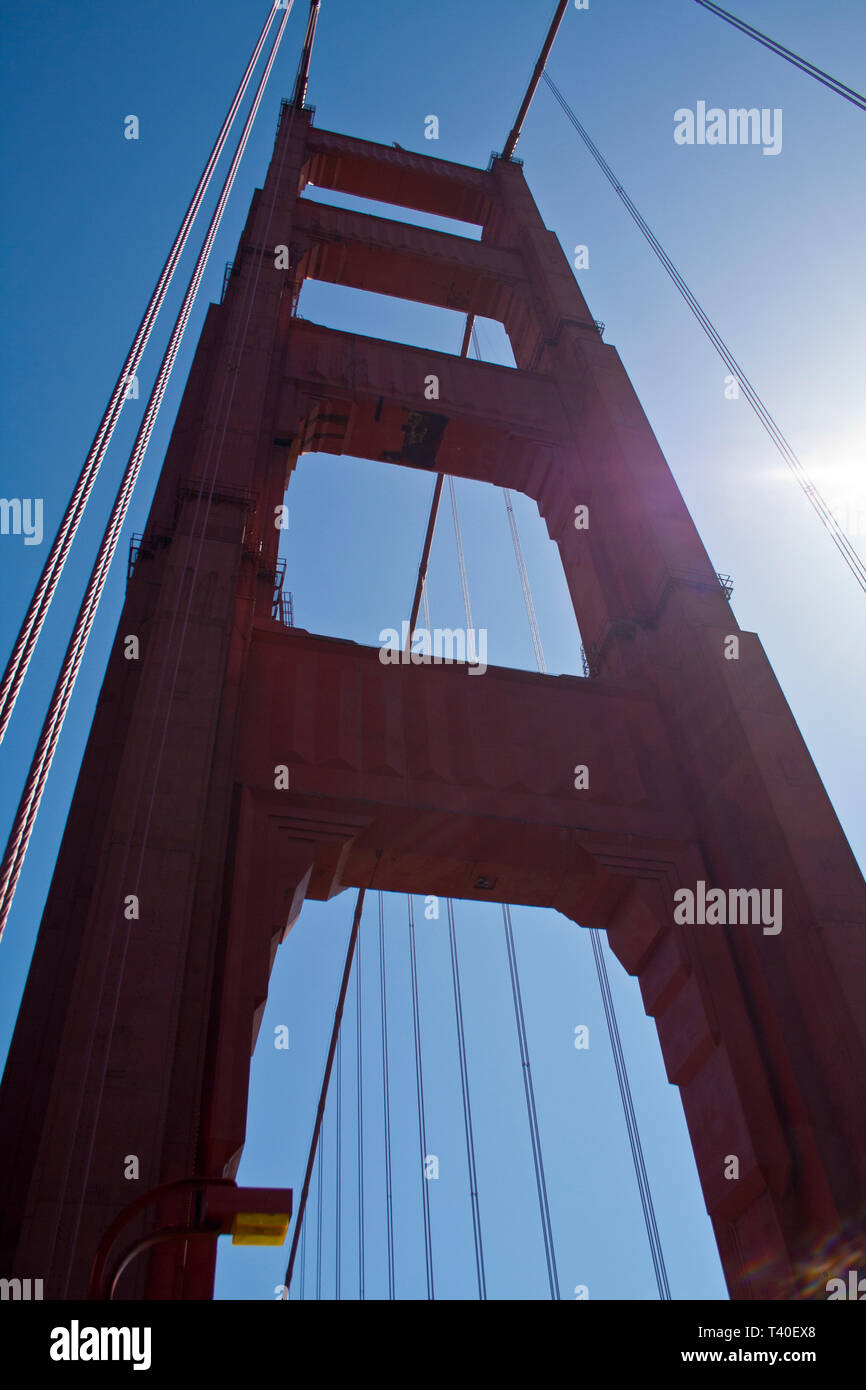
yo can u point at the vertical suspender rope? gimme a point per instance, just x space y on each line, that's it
419 597
389 1203
360 1062
538 1160
455 969
644 1191
461 562
531 1109
524 583
338 1219
31 628
422 1122
467 1108
319 1196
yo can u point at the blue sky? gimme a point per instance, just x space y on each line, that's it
772 246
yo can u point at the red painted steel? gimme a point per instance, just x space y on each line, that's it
134 1037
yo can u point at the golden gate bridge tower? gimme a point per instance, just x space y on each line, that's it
240 766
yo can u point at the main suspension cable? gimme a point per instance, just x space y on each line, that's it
824 512
25 818
34 619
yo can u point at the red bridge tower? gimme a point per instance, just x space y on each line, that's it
135 1034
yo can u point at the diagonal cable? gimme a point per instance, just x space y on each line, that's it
34 619
802 63
824 512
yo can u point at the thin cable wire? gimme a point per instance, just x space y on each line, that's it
303 1259
468 330
461 561
425 557
644 1190
34 619
455 968
25 818
802 63
538 1160
360 1061
467 1107
518 554
422 1121
319 1203
824 512
389 1203
338 1220
524 584
531 1108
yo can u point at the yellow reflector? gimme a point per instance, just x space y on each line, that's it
259 1228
